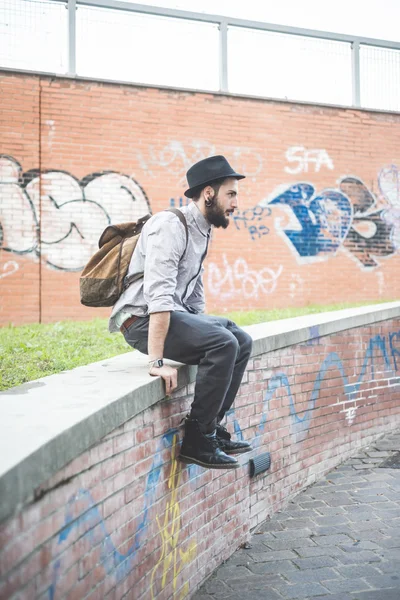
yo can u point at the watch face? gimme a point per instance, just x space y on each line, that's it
160 362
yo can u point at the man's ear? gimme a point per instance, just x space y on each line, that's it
208 193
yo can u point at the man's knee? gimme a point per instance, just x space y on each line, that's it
247 344
230 344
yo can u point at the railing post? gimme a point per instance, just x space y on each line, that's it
72 38
355 72
223 56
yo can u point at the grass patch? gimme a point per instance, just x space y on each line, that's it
32 351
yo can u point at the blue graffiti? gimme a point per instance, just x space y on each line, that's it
180 202
250 219
314 336
301 424
337 217
96 531
325 219
395 352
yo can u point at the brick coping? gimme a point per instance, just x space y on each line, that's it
48 422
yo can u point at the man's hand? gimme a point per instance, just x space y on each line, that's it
169 374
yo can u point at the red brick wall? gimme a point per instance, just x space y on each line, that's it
324 238
127 518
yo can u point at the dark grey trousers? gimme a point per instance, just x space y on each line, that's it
220 349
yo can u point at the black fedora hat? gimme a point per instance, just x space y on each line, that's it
208 170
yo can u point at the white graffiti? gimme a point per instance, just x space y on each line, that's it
389 186
17 218
240 280
9 268
296 286
350 414
50 133
381 283
59 217
303 157
178 158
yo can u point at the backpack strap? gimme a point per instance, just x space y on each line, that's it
182 219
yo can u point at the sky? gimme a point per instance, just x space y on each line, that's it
125 46
367 18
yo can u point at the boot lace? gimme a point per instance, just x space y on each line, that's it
214 442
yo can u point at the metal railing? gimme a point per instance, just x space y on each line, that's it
334 59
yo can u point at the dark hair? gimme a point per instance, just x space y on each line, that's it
216 184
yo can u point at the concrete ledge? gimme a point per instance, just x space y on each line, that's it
287 332
49 422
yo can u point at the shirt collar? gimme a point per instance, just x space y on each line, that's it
199 218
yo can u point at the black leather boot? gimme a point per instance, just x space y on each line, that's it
227 445
201 450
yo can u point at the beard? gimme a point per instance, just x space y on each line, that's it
215 214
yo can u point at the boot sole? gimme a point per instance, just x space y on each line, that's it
239 451
190 461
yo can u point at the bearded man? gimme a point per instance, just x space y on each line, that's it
162 314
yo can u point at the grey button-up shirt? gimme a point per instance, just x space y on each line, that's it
171 281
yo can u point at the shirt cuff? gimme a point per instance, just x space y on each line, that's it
160 305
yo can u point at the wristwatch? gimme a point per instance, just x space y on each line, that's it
158 363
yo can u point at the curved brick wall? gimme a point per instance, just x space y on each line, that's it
318 223
123 518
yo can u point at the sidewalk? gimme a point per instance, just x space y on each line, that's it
338 540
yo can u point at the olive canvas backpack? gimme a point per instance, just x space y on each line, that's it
104 278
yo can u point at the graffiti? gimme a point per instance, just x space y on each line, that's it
239 279
394 351
180 202
91 526
177 158
346 217
170 527
250 219
325 219
9 268
350 414
381 283
300 424
296 286
244 219
83 515
314 336
369 235
50 133
60 218
389 187
304 157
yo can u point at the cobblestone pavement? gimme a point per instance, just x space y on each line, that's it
337 540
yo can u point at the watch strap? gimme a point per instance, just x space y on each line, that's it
158 363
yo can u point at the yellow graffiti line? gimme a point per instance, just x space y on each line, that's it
170 529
